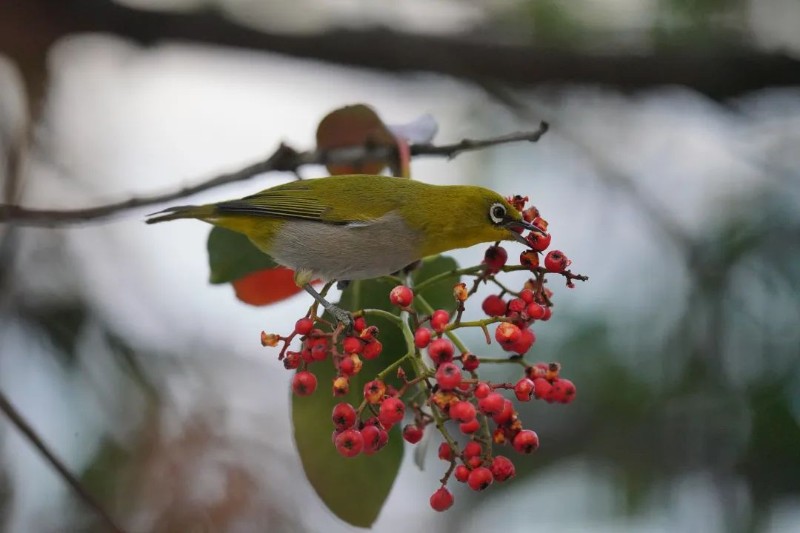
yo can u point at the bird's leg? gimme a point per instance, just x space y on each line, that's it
341 316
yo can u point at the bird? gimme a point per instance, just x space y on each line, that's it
353 227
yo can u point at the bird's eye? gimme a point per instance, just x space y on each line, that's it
497 213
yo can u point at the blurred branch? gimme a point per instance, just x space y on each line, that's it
718 73
284 159
22 425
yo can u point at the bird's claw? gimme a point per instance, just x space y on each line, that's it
342 317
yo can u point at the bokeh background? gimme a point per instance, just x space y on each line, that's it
670 176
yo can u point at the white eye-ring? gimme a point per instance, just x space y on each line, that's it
497 212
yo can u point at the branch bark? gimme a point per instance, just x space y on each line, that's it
284 159
718 73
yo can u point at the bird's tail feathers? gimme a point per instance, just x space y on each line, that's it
182 211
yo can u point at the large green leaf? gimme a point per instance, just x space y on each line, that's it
355 489
232 256
439 293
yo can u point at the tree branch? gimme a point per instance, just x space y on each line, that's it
22 425
719 73
284 159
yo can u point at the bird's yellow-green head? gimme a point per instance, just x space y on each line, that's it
459 216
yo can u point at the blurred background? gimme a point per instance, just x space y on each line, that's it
670 176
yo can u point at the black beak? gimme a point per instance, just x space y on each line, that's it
515 224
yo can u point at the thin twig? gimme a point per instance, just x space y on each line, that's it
22 425
285 159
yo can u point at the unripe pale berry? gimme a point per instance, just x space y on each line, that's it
462 411
502 468
439 320
448 376
556 261
494 305
441 500
304 383
344 416
412 433
374 391
349 442
526 441
401 296
341 386
480 478
523 389
422 337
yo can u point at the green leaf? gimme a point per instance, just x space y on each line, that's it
231 256
439 293
355 489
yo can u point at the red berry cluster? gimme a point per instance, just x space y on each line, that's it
443 391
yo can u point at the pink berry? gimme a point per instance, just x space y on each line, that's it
352 345
538 241
439 320
391 412
401 296
468 428
523 389
445 452
441 351
461 473
422 337
482 390
372 349
556 261
495 258
526 339
303 326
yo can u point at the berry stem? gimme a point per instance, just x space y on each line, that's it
383 314
516 360
386 371
446 275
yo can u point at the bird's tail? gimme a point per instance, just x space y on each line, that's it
203 212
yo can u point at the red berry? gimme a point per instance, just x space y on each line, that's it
470 361
351 345
349 442
523 344
461 473
494 305
538 241
412 433
527 296
468 428
556 261
502 468
391 412
517 305
506 414
344 416
359 324
375 438
480 478
529 259
448 376
507 334
524 389
472 449
439 320
474 462
441 351
401 296
303 326
372 349
482 390
535 311
441 500
542 388
526 441
445 452
291 360
304 383
422 337
492 404
495 258
462 411
548 312
563 391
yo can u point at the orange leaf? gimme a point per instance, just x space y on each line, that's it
266 286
